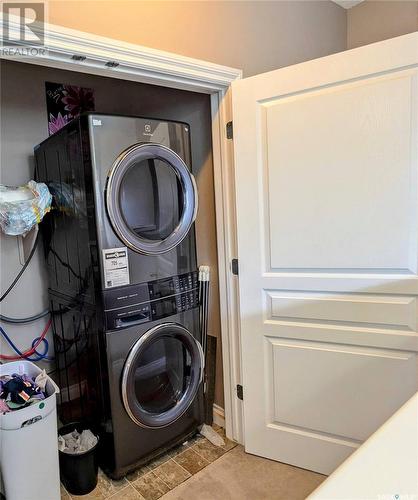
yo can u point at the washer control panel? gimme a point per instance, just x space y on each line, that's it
173 305
137 304
173 285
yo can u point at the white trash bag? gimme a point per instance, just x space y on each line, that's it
23 207
75 443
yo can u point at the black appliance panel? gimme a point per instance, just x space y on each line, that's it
68 230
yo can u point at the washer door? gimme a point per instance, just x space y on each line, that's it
162 375
151 198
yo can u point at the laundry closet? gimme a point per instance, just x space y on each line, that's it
164 112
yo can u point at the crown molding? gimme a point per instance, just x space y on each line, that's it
118 59
347 4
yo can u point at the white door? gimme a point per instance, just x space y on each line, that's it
327 206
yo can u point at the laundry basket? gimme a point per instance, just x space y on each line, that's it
28 443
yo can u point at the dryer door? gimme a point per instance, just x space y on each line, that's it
151 198
162 375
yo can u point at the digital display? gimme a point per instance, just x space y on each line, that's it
164 308
162 288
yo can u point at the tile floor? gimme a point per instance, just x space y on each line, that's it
198 470
240 476
157 478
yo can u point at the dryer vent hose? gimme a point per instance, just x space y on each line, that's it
204 282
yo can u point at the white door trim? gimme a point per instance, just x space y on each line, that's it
88 53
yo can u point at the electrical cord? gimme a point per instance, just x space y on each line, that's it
30 352
19 274
29 319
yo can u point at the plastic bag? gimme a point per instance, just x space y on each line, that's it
23 207
211 435
74 442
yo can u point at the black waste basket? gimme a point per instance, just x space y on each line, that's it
78 472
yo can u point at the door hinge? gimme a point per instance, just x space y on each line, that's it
240 392
234 266
229 130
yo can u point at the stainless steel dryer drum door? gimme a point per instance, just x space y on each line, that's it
151 198
161 376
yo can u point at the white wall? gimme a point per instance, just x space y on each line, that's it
30 295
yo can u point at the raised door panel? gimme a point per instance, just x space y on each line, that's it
341 177
343 391
382 311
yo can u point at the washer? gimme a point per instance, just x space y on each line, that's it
121 254
155 380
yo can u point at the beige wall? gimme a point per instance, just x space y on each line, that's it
255 36
376 20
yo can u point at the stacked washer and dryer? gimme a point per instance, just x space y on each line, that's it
121 254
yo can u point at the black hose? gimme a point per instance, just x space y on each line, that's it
29 319
19 274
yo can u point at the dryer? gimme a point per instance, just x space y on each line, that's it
120 250
126 185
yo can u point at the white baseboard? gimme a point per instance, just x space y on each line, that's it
218 416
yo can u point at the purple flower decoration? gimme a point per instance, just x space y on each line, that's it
55 123
77 100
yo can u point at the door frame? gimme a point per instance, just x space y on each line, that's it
88 53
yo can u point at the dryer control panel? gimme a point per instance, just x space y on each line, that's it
137 304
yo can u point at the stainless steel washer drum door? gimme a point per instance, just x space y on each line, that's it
151 198
161 375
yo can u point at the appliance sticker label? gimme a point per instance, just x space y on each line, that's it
115 267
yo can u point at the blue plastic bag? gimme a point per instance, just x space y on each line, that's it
23 207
